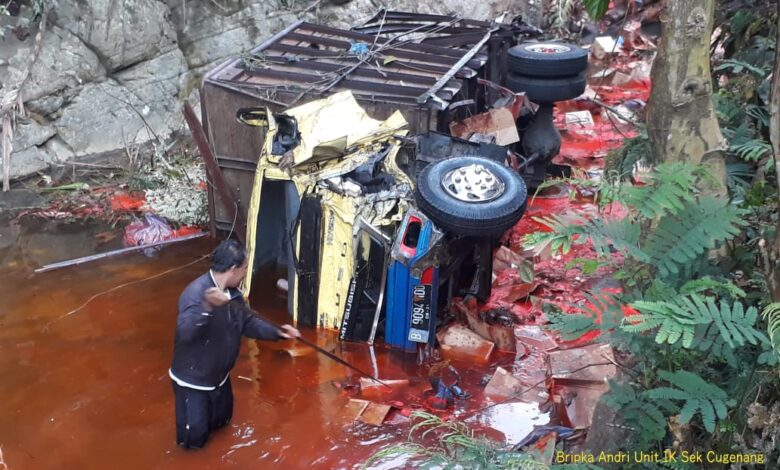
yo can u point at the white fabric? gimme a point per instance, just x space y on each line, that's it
182 383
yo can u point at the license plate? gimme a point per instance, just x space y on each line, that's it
421 313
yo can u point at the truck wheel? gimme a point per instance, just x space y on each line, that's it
471 196
543 90
547 59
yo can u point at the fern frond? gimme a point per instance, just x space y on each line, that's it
659 291
673 323
518 461
643 414
752 150
566 230
709 400
619 163
571 326
771 314
621 234
678 319
669 188
706 283
759 113
668 393
601 311
689 234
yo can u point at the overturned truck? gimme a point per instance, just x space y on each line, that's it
369 245
334 149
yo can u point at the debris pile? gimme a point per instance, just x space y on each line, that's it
172 205
573 373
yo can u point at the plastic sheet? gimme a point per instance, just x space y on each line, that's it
146 231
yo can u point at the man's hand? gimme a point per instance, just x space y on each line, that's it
213 298
288 332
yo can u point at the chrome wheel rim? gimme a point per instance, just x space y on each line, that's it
473 183
549 48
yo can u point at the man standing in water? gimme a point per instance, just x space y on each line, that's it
207 342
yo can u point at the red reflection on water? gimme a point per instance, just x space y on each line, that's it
93 391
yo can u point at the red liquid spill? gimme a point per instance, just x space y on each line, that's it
93 391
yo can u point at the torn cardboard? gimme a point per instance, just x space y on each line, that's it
497 123
570 364
579 119
604 46
503 384
459 342
367 411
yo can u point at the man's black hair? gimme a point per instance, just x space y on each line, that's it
229 253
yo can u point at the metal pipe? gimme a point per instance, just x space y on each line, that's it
121 251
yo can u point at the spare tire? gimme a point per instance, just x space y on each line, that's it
547 59
543 90
471 196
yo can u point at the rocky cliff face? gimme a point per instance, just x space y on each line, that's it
113 74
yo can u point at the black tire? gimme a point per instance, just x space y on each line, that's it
542 90
522 59
489 218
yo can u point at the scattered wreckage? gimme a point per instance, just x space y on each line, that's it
379 215
380 166
373 243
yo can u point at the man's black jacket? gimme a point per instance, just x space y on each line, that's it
206 344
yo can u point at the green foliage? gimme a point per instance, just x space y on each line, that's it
455 445
566 230
600 312
678 319
587 265
751 149
699 396
715 286
738 66
619 164
693 320
685 225
596 8
771 315
743 113
689 233
647 417
570 326
669 188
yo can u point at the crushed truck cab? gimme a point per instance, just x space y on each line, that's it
303 191
366 243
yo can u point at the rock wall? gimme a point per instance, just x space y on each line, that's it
113 74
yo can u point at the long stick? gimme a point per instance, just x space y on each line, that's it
305 341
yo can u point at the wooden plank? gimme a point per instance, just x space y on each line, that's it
213 168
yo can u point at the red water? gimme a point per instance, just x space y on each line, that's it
93 391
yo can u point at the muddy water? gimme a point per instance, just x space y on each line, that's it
92 390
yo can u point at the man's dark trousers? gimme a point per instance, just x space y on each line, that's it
198 412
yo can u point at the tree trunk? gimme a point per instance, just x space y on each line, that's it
774 137
681 120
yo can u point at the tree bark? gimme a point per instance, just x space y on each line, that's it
681 120
774 138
